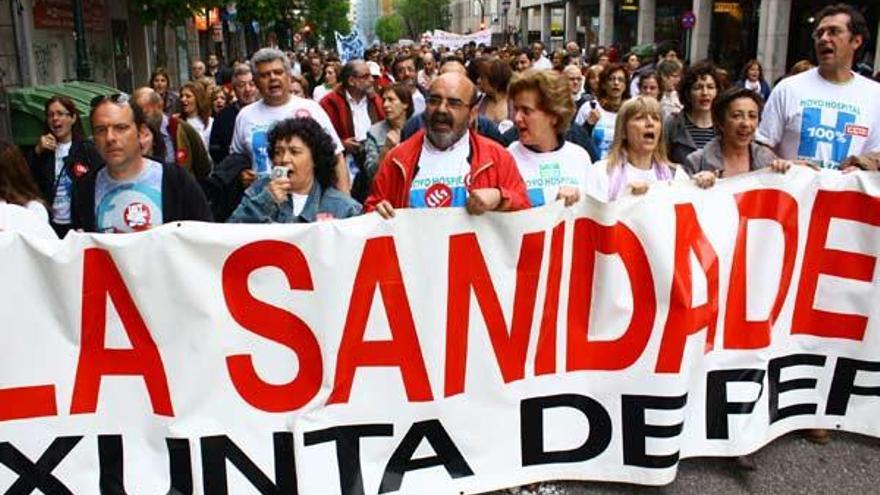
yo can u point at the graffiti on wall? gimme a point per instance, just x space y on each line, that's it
43 61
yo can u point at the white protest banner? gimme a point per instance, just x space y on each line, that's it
441 352
455 41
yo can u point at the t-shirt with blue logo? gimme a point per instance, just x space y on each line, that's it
443 176
810 118
253 123
545 173
603 132
129 205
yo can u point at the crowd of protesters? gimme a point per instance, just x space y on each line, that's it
304 137
407 125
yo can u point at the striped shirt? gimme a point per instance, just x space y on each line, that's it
700 135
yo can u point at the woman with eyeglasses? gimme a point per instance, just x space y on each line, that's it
598 116
300 188
61 157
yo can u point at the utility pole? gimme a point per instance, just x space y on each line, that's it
83 67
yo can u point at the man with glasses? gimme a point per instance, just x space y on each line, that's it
447 164
251 135
354 107
131 193
826 114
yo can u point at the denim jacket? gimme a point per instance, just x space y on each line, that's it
259 206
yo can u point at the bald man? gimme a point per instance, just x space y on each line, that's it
447 164
484 125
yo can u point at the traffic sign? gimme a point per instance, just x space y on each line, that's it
688 19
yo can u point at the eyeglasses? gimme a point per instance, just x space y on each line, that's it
832 31
617 79
118 98
453 103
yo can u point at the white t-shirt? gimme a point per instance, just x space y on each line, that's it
810 118
418 102
598 183
63 186
603 131
442 177
320 92
299 202
25 220
542 63
203 130
254 121
545 173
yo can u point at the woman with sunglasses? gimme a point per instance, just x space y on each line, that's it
61 158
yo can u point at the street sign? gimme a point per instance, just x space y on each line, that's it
688 19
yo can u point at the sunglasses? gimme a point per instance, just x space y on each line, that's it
118 98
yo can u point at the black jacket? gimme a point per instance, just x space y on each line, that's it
182 199
80 161
221 132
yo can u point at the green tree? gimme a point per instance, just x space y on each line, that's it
389 28
423 15
170 13
327 16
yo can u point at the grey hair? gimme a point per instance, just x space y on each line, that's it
151 94
241 70
264 55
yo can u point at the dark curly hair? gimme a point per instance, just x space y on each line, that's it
318 141
692 75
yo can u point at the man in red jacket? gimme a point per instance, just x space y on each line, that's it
447 164
354 107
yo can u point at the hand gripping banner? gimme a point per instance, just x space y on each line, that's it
441 352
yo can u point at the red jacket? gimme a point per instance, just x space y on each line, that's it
492 166
337 109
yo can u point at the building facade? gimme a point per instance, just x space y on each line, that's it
37 44
776 32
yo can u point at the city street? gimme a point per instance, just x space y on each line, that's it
790 465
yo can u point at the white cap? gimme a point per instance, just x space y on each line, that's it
375 70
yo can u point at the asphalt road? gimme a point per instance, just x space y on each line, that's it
849 464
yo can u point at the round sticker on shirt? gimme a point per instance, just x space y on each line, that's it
137 216
438 196
302 113
79 170
181 156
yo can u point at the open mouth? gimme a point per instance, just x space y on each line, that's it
826 50
649 136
